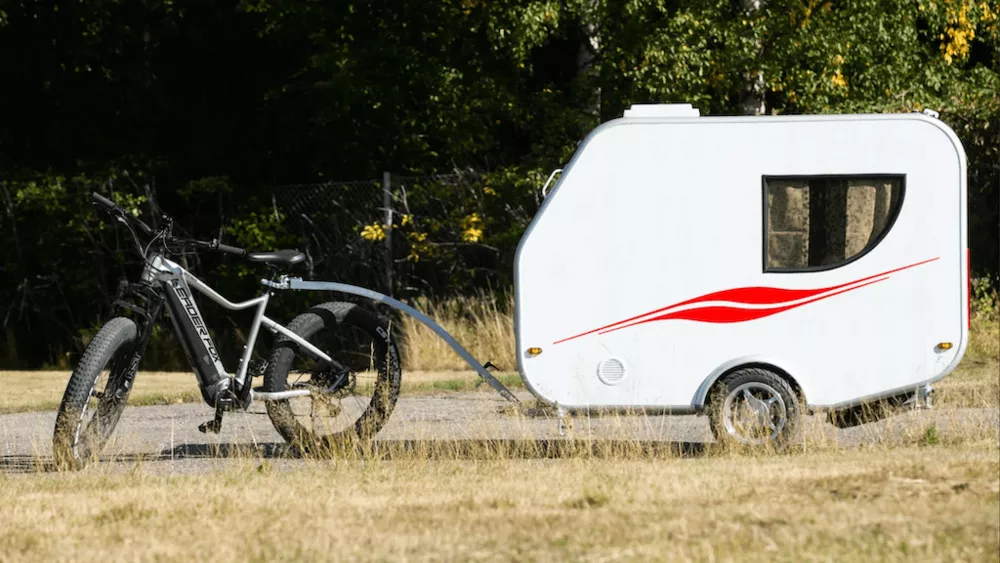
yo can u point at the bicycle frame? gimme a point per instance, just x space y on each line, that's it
189 326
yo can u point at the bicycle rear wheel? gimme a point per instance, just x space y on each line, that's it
352 397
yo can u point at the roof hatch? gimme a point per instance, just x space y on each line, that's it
661 110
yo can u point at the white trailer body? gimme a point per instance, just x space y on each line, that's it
651 268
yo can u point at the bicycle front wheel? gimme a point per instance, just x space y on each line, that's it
352 396
95 395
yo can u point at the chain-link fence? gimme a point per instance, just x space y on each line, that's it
325 220
402 235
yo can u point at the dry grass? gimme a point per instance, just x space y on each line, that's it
931 502
976 383
922 491
26 391
930 492
484 325
43 390
984 340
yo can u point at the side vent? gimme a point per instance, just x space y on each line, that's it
611 371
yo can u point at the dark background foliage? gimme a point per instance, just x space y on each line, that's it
206 109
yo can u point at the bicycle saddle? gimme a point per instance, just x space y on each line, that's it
284 257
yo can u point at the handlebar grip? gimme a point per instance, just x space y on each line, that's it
194 243
102 201
109 205
230 249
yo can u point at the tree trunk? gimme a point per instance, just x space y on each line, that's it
587 71
752 101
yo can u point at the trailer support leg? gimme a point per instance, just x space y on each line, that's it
926 397
300 284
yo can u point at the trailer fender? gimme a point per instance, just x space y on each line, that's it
778 366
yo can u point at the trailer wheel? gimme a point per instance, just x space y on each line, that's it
754 407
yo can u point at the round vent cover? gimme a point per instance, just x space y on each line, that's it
611 371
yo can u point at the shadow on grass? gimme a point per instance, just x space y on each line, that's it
451 449
389 450
24 464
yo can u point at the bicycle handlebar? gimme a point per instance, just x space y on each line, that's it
145 228
215 245
210 245
103 201
110 206
230 249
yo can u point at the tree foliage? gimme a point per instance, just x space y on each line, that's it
198 107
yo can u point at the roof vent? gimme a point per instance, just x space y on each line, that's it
661 110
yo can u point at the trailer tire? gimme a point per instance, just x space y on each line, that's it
763 395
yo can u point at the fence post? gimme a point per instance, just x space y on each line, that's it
387 206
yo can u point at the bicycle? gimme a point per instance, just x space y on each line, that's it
297 367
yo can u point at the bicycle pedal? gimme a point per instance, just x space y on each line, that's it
256 368
214 426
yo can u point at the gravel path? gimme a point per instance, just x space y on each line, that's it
167 439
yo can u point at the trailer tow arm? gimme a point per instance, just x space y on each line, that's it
300 284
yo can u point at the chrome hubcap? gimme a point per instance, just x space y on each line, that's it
754 413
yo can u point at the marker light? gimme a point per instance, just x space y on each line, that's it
534 351
944 345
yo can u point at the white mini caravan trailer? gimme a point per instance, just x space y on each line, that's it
751 268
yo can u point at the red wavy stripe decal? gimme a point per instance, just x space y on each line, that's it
759 295
722 314
743 295
775 295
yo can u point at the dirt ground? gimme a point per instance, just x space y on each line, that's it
167 440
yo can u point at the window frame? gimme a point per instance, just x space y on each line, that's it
894 212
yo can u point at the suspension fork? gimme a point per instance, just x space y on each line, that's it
147 315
